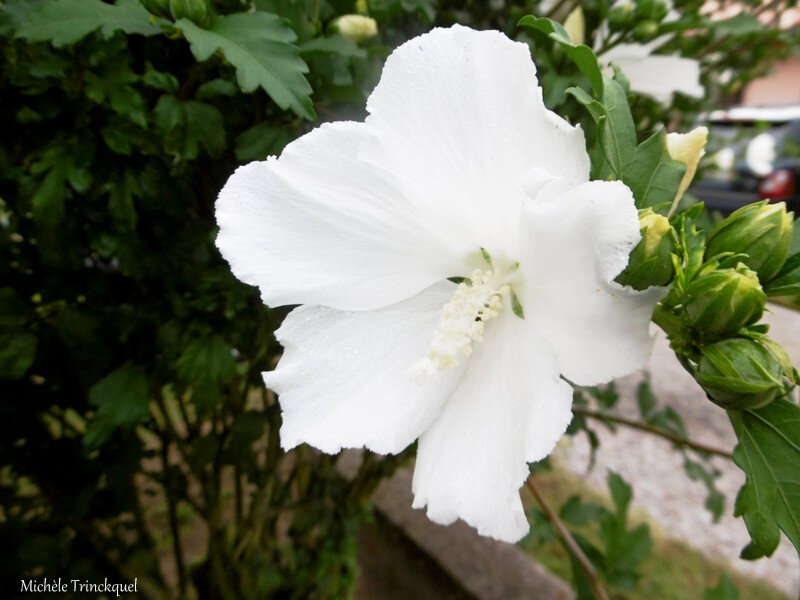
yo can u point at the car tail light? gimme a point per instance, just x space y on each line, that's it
778 184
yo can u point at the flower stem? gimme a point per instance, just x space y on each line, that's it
572 546
676 439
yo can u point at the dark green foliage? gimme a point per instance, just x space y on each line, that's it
133 407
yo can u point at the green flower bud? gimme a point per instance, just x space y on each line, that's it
740 374
645 31
197 11
655 10
721 302
760 230
651 260
356 27
159 8
620 16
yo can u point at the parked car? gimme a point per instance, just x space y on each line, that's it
754 155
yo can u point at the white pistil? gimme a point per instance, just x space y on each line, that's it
476 300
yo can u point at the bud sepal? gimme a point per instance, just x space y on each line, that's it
197 11
159 8
650 262
740 374
760 230
721 302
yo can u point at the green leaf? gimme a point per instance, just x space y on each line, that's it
122 402
646 398
206 364
64 22
594 107
580 54
615 126
769 452
725 589
618 133
187 126
577 512
12 309
160 80
741 24
707 474
624 548
652 175
247 428
215 87
48 201
334 44
607 395
113 86
59 162
17 351
669 420
621 492
260 46
121 205
261 140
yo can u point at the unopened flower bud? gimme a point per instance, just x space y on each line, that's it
760 230
687 148
652 9
645 30
740 374
651 260
575 25
197 11
721 302
356 27
159 8
621 15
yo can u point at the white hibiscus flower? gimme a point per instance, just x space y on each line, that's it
458 171
659 76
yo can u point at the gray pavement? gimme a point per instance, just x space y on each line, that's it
660 486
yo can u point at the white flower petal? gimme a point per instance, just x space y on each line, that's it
510 407
343 378
658 76
577 244
319 226
459 116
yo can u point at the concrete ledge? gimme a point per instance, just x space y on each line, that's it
485 568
